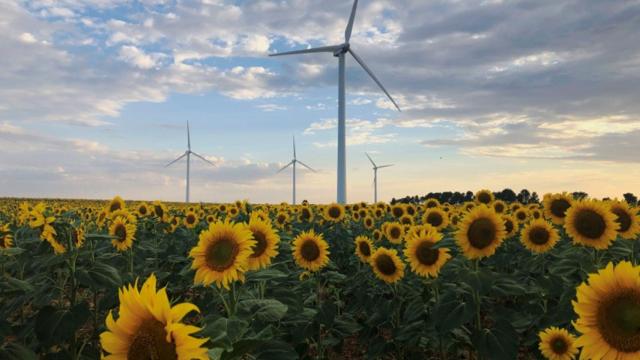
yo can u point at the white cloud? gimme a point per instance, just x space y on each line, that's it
139 58
27 38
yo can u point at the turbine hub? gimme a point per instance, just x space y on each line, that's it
343 49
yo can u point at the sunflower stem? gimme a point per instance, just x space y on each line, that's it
633 252
131 261
477 300
320 354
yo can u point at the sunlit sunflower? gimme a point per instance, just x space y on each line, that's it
608 309
397 210
210 219
191 220
591 223
436 217
627 219
124 213
102 218
334 212
221 255
148 327
379 212
484 197
406 219
310 251
115 204
539 236
536 213
282 219
480 232
355 217
364 248
423 259
266 247
6 238
510 225
521 215
410 209
377 235
557 344
124 233
556 206
143 210
394 232
368 222
499 206
431 203
78 237
387 266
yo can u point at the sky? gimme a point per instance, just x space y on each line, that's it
537 94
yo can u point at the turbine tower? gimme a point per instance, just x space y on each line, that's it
375 177
340 52
293 163
188 154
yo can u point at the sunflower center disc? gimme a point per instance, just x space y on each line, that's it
521 215
434 219
221 255
334 212
261 244
619 321
121 232
590 224
394 232
114 207
306 215
309 250
385 265
539 236
481 233
191 219
426 255
559 207
559 346
508 225
498 207
364 248
150 343
281 219
397 212
159 212
623 219
484 198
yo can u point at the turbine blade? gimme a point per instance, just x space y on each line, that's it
305 165
347 32
203 159
366 68
284 167
188 136
176 160
385 166
374 164
294 147
329 49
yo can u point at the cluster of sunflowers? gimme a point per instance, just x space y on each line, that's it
488 279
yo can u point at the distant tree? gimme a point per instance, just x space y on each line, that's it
468 196
507 195
630 199
523 196
579 195
534 199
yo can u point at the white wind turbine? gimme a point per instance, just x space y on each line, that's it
375 177
293 163
340 52
188 154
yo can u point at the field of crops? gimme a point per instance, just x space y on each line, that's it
483 279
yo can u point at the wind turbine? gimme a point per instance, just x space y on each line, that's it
340 52
375 177
293 163
188 154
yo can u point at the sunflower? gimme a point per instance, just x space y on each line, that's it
557 344
222 254
556 206
394 232
124 213
468 206
424 260
305 214
282 219
310 251
397 210
160 210
591 223
210 218
406 219
378 213
148 327
191 220
115 204
627 219
364 248
436 217
78 237
355 217
480 232
143 210
431 203
102 218
6 239
484 197
377 235
368 222
510 225
536 213
608 309
387 265
124 233
499 206
410 209
266 247
521 215
233 211
334 212
539 236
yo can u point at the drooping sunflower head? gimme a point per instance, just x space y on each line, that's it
160 210
608 309
77 237
397 210
387 265
591 223
115 204
364 248
148 327
191 220
557 344
436 217
394 232
310 251
431 203
480 232
123 233
334 212
556 206
468 206
6 238
484 197
627 219
424 259
266 247
539 236
222 253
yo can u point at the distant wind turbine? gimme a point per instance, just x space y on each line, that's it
293 163
340 51
188 154
375 177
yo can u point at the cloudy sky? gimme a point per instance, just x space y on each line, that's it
94 96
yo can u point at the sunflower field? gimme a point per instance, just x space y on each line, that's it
484 279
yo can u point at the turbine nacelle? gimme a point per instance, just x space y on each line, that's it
343 49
